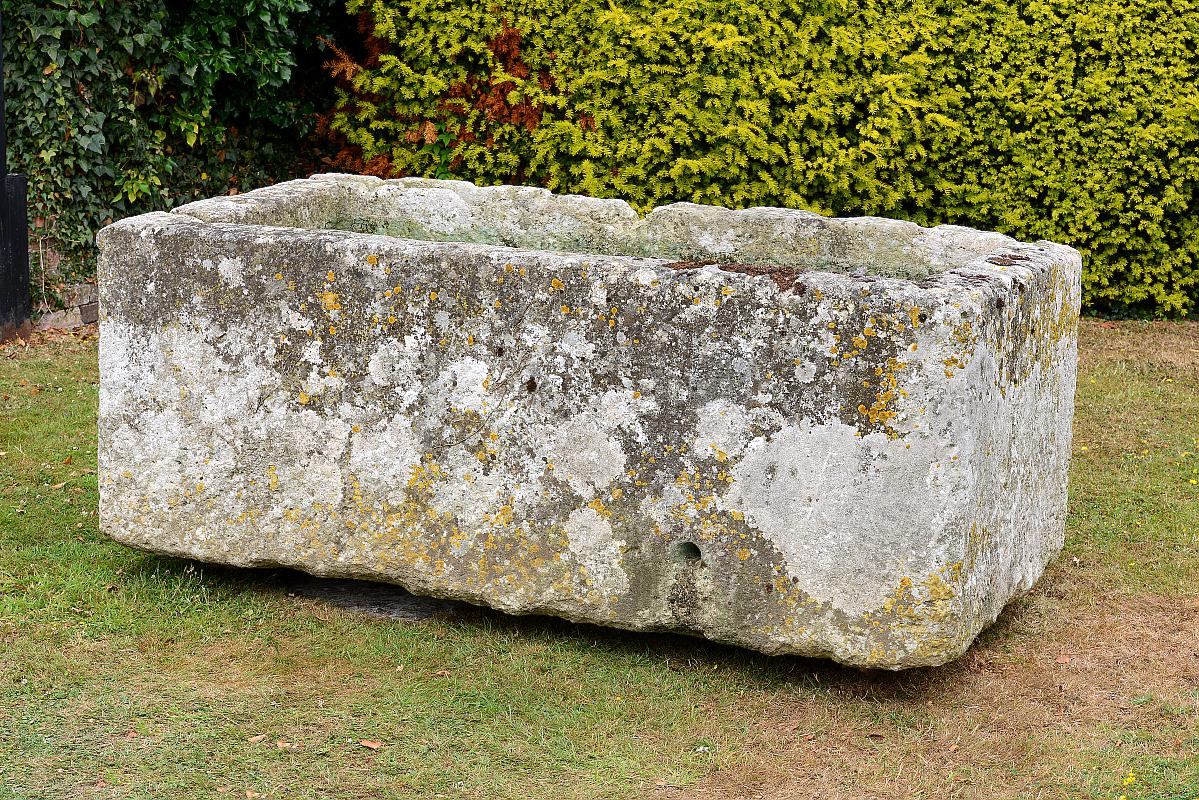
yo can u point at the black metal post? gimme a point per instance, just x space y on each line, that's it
14 233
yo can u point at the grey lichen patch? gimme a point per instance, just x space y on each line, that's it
860 466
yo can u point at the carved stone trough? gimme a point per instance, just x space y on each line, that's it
831 437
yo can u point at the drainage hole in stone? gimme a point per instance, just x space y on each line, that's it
530 385
686 552
923 317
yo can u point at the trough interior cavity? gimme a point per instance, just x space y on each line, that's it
761 238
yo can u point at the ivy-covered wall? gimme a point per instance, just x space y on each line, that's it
118 107
1071 121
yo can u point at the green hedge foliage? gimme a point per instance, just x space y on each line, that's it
1076 121
117 107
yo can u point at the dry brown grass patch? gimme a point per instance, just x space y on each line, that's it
1169 345
1014 718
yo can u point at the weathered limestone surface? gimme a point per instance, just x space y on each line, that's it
833 437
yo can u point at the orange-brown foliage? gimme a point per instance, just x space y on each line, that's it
478 92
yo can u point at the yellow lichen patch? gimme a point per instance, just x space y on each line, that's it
921 614
901 601
273 477
941 584
963 333
598 507
743 554
501 517
371 259
556 284
329 301
882 411
303 398
698 510
278 276
432 297
914 316
329 276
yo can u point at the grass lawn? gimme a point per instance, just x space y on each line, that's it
129 675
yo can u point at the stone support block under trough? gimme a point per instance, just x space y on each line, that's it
844 438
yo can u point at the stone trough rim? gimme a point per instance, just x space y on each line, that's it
990 266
